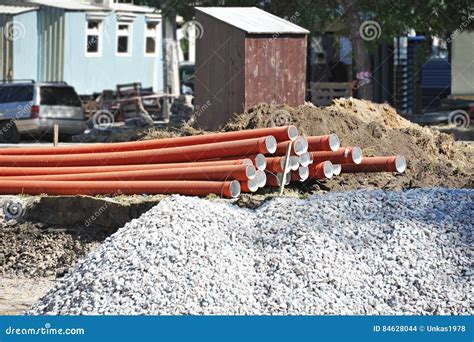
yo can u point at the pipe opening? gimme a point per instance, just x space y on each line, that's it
292 133
260 162
271 144
336 169
299 147
400 164
334 142
356 155
303 171
305 159
252 185
250 172
294 163
234 189
261 178
327 169
247 161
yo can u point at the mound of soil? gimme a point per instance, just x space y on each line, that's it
434 159
36 250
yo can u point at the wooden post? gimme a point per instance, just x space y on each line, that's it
285 168
55 135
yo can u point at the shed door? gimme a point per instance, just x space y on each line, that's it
6 48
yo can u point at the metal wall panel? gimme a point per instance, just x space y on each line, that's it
6 48
51 44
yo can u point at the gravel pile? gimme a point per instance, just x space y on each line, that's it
358 252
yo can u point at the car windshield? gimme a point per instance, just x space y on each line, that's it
59 96
16 93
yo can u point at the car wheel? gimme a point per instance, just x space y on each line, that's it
8 133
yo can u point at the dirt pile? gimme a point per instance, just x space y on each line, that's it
36 250
434 159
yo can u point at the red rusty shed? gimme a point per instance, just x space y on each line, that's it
244 57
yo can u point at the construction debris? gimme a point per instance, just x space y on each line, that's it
355 252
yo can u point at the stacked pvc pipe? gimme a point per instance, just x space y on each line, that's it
224 164
219 163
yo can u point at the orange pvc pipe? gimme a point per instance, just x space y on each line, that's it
320 170
344 155
323 143
275 164
214 173
31 171
377 164
298 147
272 180
166 155
280 134
191 188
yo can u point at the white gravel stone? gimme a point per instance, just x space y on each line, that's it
356 252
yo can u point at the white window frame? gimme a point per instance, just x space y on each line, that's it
149 34
96 32
129 35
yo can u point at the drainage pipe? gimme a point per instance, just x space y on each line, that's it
323 143
237 148
344 155
207 173
191 188
31 171
378 164
321 170
280 133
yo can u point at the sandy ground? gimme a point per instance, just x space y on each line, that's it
18 293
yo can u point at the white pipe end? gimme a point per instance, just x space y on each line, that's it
261 178
271 144
292 133
328 169
294 163
300 146
234 189
247 161
334 142
336 169
356 155
305 159
251 171
252 185
303 172
400 164
260 162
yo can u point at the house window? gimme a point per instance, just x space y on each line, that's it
124 39
151 38
93 38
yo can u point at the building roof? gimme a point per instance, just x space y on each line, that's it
15 9
81 6
253 20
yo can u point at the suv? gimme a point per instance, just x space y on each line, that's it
27 107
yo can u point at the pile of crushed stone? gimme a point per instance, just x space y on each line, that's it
354 252
434 159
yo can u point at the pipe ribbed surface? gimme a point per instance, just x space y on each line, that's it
280 133
377 164
191 188
265 145
214 173
344 155
26 171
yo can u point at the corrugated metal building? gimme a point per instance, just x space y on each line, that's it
245 57
91 47
462 64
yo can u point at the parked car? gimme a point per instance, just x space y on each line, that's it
28 107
